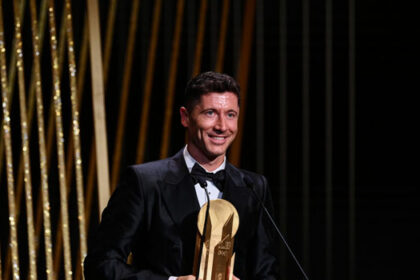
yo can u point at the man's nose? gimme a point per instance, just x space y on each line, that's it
221 123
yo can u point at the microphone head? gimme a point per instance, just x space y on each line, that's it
202 183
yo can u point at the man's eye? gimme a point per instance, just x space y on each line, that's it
210 113
231 115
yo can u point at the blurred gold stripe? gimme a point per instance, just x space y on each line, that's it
122 112
89 195
170 93
243 72
109 37
76 133
44 189
222 37
13 245
25 144
30 115
80 83
61 51
91 174
11 84
148 83
91 179
60 143
200 38
98 104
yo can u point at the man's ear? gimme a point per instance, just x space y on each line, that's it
185 120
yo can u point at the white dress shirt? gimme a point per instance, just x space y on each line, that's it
213 191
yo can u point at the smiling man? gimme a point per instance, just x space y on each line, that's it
153 213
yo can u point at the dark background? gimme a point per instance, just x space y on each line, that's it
291 135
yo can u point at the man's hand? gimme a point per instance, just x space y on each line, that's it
229 272
188 277
192 277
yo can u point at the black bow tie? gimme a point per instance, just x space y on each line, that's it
217 178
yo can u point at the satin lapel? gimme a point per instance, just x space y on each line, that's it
179 193
236 191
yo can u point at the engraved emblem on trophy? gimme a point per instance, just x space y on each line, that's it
217 256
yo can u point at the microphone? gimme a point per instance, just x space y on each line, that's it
250 184
203 184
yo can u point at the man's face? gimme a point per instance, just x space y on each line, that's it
212 125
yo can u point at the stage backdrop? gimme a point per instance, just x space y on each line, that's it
327 115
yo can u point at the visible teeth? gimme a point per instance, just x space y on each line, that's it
219 138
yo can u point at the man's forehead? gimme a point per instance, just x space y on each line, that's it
219 97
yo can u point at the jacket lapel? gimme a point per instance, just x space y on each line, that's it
178 191
236 191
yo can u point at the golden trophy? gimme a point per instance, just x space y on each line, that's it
217 257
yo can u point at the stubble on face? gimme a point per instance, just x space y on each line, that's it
212 126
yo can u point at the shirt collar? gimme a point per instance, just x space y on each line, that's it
190 161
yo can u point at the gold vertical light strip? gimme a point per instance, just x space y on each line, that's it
41 140
60 144
82 61
98 104
13 244
80 83
92 157
70 148
50 134
222 36
49 139
12 62
91 174
76 133
122 113
19 184
61 51
25 144
109 37
90 181
11 84
170 90
200 38
147 92
242 76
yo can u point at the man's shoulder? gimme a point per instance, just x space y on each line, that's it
246 175
151 165
158 166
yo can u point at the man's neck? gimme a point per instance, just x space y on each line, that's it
204 161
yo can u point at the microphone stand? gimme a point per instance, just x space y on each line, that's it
203 184
250 184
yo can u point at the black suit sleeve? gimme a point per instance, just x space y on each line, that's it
121 225
266 242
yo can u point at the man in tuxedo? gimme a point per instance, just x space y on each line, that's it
153 213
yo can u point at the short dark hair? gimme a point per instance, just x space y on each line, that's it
209 82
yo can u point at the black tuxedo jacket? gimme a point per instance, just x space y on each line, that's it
153 214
